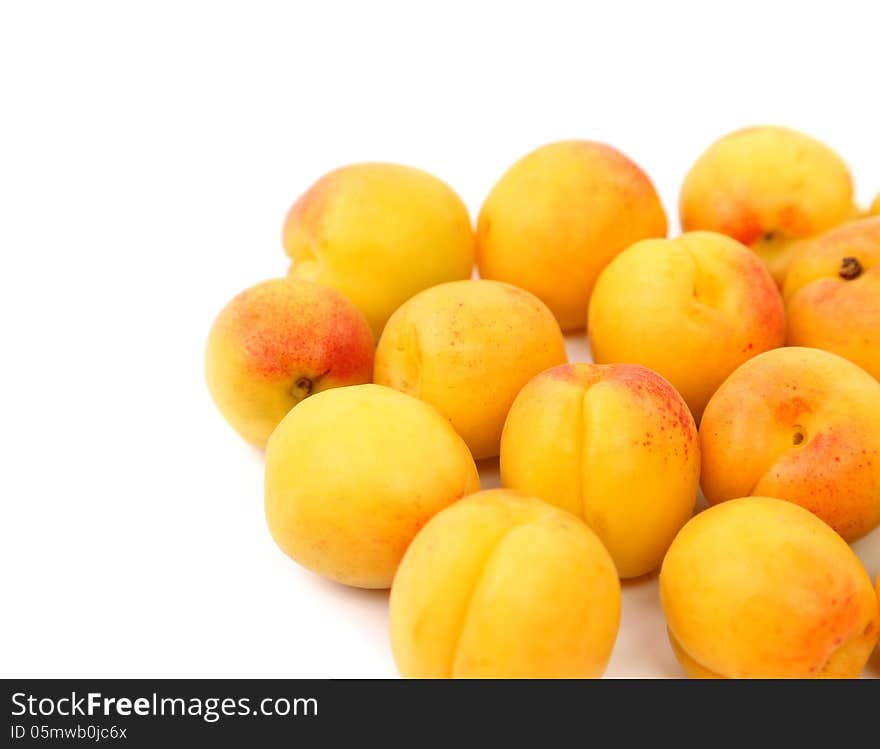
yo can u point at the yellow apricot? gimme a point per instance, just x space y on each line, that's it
761 588
502 585
379 233
467 348
832 294
767 187
613 444
353 473
691 308
556 218
799 424
277 343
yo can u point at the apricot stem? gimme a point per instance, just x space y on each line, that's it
850 268
305 384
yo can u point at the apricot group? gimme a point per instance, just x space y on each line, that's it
406 350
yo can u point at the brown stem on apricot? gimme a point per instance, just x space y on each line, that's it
850 268
798 437
305 385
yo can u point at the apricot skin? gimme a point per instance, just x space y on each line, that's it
832 294
799 424
353 473
277 343
556 218
760 588
502 585
585 437
767 187
379 233
691 308
467 348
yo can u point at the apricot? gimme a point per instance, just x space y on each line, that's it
467 348
277 343
799 424
502 585
832 294
874 210
691 308
613 444
353 473
379 233
556 218
761 588
767 187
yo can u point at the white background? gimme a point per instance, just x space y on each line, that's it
148 154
